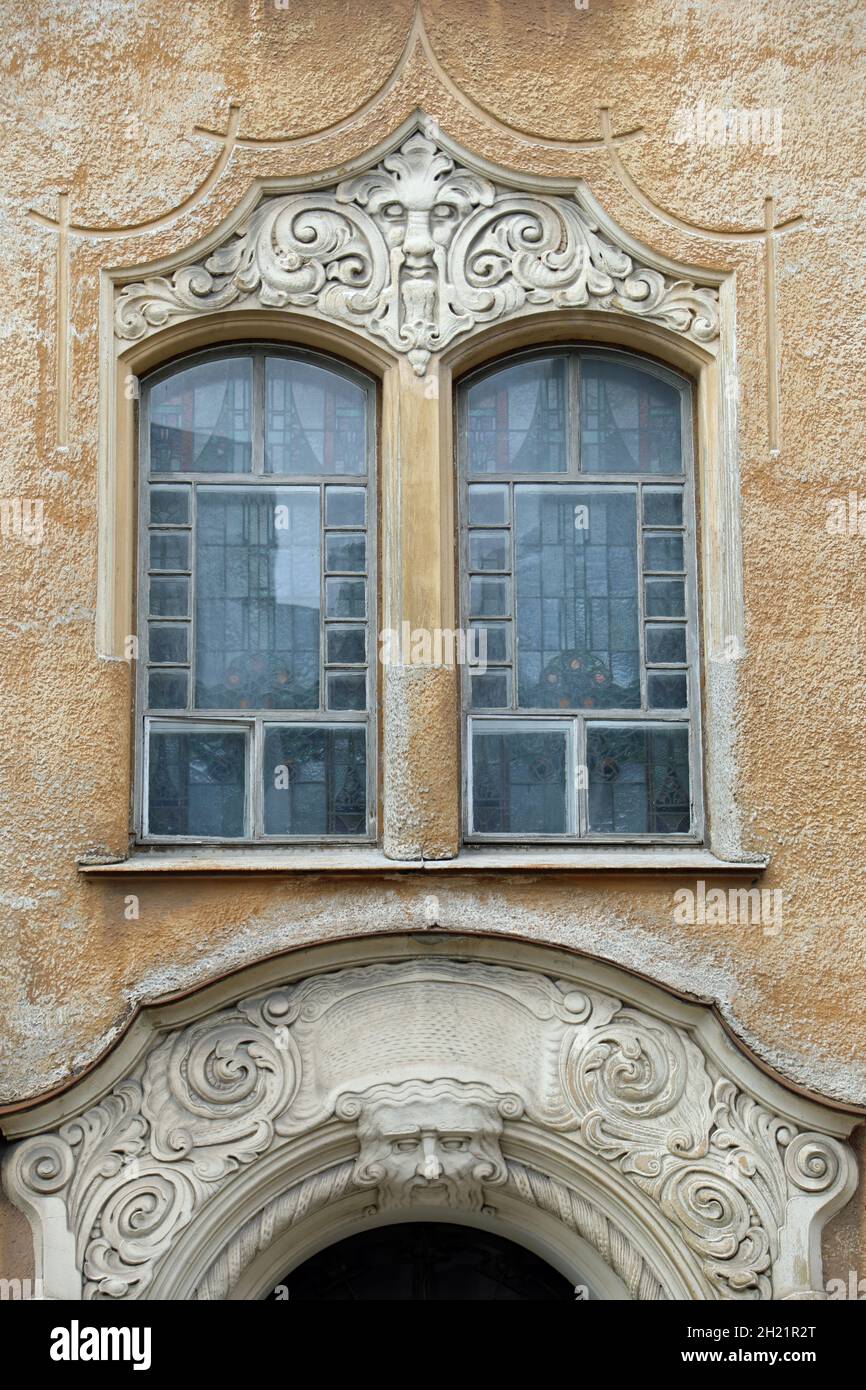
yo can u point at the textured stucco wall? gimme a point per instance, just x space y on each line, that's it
100 101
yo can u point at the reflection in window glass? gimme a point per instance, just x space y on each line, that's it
196 783
200 419
576 598
315 780
581 580
519 780
638 779
258 594
167 690
169 598
169 642
315 420
666 643
169 506
515 419
257 598
630 420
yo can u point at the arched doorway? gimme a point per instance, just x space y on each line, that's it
604 1125
424 1261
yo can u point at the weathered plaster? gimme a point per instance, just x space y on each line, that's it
107 98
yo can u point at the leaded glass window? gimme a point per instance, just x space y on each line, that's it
256 600
578 541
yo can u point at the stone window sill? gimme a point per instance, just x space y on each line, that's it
215 861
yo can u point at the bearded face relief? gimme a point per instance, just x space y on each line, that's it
417 197
430 1143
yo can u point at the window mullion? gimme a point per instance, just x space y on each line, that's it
256 774
258 417
573 425
641 616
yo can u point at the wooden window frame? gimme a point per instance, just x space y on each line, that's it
256 722
576 796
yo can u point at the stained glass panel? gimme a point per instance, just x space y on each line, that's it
315 420
201 419
576 598
197 782
315 780
519 780
257 598
638 778
515 419
629 421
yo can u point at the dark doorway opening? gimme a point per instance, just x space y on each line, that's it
424 1260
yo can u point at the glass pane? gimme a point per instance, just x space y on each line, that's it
489 550
345 506
347 550
492 643
346 646
345 598
169 506
168 642
488 504
169 598
667 689
315 781
491 690
638 779
257 598
663 551
665 643
665 598
663 506
346 690
515 419
316 420
200 419
576 598
167 689
196 783
489 597
519 781
169 550
629 421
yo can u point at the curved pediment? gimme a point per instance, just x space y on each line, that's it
620 1113
417 251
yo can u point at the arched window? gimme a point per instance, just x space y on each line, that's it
256 599
578 546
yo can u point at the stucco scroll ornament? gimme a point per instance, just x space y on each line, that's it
134 1169
303 250
213 1092
415 252
718 1164
529 252
124 1206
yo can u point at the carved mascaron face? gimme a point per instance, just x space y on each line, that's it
436 1148
419 198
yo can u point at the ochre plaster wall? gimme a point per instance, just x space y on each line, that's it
102 103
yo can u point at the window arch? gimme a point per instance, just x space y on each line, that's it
256 599
581 705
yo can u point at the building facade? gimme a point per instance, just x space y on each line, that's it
432 555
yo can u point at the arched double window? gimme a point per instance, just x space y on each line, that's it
256 600
578 556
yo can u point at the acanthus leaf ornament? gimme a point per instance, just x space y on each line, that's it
416 252
441 1074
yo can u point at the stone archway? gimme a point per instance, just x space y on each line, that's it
584 1113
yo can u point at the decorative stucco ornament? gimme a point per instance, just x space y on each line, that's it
417 251
444 1077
